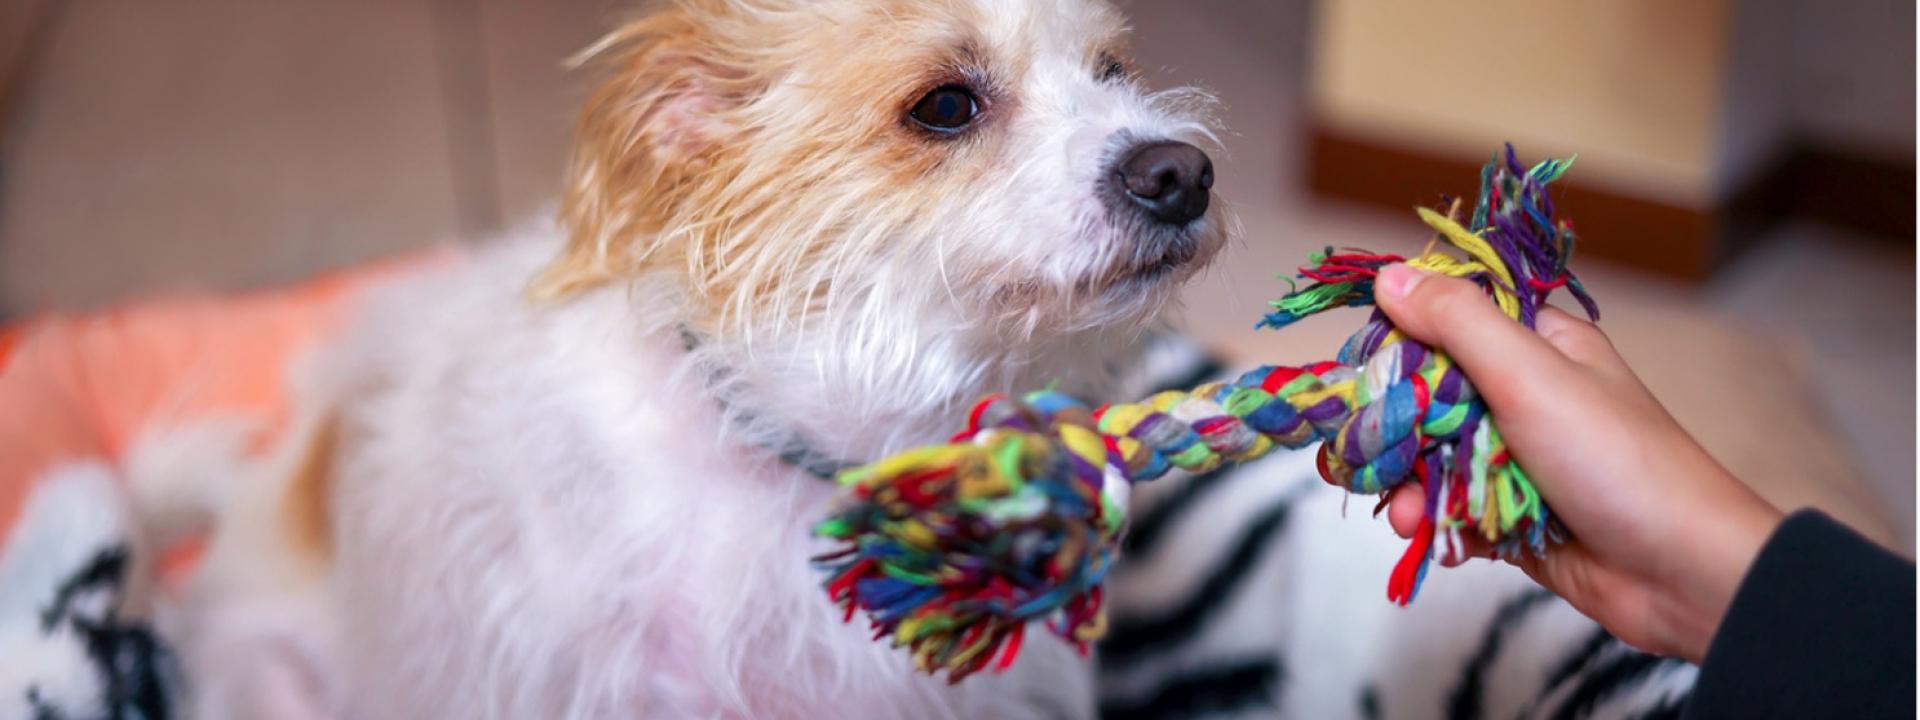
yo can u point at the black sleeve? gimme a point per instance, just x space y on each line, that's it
1823 626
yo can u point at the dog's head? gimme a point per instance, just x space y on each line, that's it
884 208
972 164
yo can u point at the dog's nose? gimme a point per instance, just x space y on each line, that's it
1171 180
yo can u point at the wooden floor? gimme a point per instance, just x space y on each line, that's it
223 144
241 142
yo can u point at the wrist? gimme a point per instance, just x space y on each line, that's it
1699 584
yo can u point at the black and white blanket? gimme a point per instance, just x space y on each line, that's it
1255 591
1259 591
73 644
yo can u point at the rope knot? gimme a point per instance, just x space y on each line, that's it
952 549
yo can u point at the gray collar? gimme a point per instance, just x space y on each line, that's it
790 446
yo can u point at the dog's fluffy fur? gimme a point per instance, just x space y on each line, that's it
514 491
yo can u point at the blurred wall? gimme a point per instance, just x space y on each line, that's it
1684 101
1632 85
1828 76
1757 124
1853 73
170 144
1698 124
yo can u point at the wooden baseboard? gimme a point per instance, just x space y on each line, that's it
1867 193
1874 196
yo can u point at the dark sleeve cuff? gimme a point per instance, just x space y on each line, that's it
1822 626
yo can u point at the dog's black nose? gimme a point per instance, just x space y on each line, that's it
1171 180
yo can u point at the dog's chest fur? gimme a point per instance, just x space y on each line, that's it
537 513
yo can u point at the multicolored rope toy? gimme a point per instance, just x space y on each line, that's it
952 549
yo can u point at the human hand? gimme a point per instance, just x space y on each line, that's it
1662 534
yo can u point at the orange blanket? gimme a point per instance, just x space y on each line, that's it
79 387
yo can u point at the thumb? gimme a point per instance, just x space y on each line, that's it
1502 356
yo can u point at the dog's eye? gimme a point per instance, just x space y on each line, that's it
948 109
1111 68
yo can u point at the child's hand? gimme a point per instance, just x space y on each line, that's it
1662 534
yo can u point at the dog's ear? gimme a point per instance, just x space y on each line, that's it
654 123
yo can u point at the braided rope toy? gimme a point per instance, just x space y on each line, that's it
953 549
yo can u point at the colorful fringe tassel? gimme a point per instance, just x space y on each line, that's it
952 550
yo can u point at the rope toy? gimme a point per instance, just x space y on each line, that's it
951 550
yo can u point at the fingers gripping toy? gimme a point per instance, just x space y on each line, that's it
953 549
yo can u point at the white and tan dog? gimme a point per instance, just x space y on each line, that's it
572 475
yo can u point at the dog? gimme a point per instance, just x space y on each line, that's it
571 474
